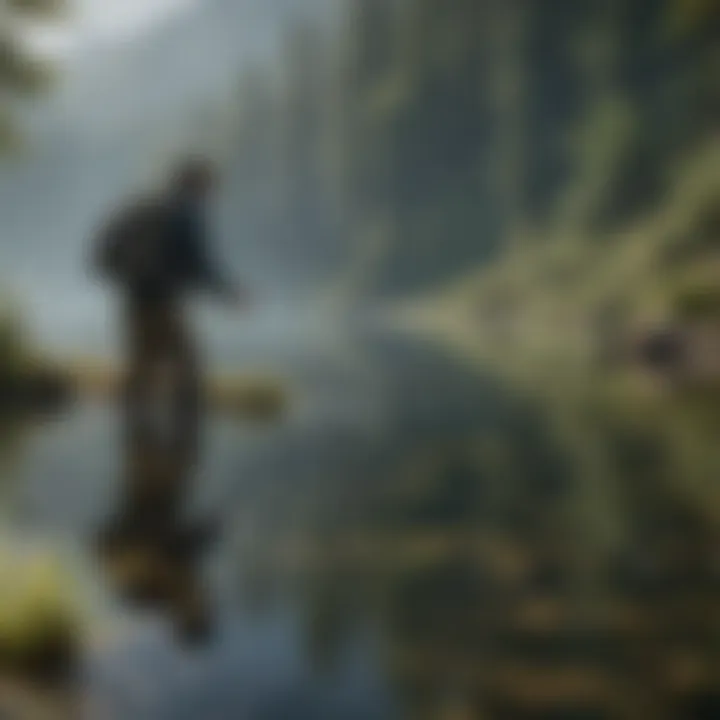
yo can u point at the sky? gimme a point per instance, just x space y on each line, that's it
93 21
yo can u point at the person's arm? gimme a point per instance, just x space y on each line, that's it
206 268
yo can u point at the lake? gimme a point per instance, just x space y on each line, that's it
415 539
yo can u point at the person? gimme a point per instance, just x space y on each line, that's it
155 251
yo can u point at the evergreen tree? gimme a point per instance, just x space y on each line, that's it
20 71
448 133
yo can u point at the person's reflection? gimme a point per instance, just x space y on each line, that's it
149 549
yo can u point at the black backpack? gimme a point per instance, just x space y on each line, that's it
132 250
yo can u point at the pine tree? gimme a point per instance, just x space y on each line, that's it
21 72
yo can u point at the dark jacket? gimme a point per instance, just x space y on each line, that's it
158 250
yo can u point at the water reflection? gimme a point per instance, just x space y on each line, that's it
151 550
492 553
536 560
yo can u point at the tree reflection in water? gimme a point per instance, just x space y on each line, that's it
505 586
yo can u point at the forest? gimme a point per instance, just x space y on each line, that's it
525 167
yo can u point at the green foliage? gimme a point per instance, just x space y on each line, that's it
698 303
29 381
688 16
12 346
469 130
37 8
20 71
20 74
38 619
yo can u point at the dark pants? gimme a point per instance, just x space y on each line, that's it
162 354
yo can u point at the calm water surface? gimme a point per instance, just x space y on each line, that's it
414 539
